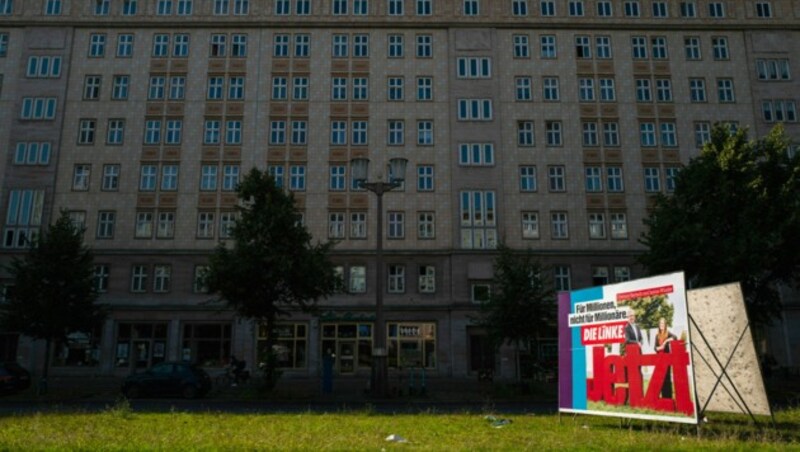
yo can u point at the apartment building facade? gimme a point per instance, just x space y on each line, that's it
546 125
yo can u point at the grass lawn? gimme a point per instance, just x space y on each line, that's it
119 428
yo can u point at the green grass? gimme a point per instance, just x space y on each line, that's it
120 428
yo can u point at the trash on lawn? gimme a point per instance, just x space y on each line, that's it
497 422
396 439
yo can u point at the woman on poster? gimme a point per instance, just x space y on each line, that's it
663 339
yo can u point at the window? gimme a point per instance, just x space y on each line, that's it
280 46
339 7
647 134
424 7
32 153
129 7
358 225
160 45
702 134
395 135
478 221
221 7
283 7
43 67
607 90
115 132
643 91
604 8
101 7
556 178
471 7
426 225
208 177
86 128
396 225
562 278
359 133
523 89
773 69
337 178
139 278
174 131
697 89
238 46
38 108
599 276
424 133
719 46
552 132
396 7
361 46
209 344
586 89
631 8
663 90
166 225
299 133
550 90
211 131
340 45
622 274
688 9
215 87
91 87
476 154
547 47
395 89
177 87
597 226
530 225
474 67
163 7
519 7
614 180
547 8
716 10
525 134
659 45
763 9
575 8
424 46
427 279
660 9
779 110
241 7
301 45
583 48
105 224
559 225
474 109
97 45
358 279
276 172
603 47
521 46
670 178
297 178
527 178
157 87
230 177
360 88
338 133
162 274
101 272
691 46
394 45
300 88
639 47
227 221
593 180
199 284
669 136
725 92
589 129
336 225
235 88
279 88
424 88
652 180
3 39
119 87
619 225
185 7
23 217
396 279
360 7
80 177
480 292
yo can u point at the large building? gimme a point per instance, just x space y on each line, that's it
543 124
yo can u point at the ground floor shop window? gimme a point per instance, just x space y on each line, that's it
351 343
412 345
207 344
291 344
79 349
141 345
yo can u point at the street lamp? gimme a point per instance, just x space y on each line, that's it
359 168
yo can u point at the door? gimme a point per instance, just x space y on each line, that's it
481 353
346 357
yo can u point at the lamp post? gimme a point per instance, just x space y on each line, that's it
359 168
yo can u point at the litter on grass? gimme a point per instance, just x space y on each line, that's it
396 439
497 422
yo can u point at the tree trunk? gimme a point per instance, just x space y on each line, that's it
42 387
270 369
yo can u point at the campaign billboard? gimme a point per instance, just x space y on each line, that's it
624 350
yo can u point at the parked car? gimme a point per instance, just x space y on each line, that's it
13 378
168 379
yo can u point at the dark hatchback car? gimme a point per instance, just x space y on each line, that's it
13 378
168 379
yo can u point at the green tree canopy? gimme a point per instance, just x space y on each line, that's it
522 306
273 264
53 292
734 216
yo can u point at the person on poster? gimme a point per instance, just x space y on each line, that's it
663 339
633 334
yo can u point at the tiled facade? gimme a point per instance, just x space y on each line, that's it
548 131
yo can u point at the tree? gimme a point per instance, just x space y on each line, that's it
272 265
522 306
734 216
53 292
